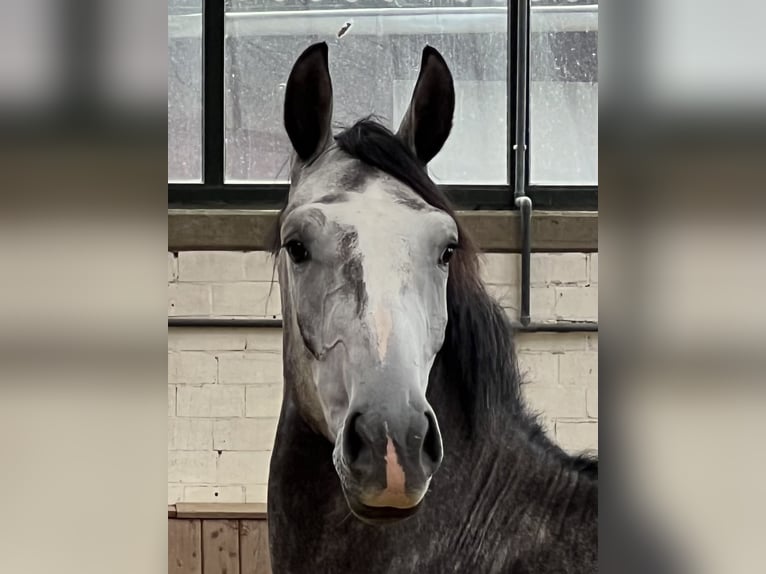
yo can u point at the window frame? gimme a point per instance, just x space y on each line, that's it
213 191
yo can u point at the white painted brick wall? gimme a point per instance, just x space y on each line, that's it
263 400
190 434
211 266
191 467
577 303
225 385
254 367
172 267
214 493
189 299
243 467
210 401
171 400
192 368
577 436
244 434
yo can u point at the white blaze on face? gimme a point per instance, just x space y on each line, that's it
383 325
385 231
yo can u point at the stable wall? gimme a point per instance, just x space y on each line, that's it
225 384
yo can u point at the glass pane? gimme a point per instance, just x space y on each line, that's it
374 65
185 90
563 93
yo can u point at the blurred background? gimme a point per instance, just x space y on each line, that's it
84 161
82 299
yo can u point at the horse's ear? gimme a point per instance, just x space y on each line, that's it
308 102
428 120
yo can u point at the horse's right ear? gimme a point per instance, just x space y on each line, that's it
308 102
428 120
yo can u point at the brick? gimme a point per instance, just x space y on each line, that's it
211 266
542 301
591 401
578 368
190 434
248 368
539 368
171 400
577 437
593 268
246 299
214 493
500 268
175 493
263 400
265 340
237 467
556 401
172 276
256 492
558 268
554 342
210 401
259 266
192 368
577 303
191 467
206 339
189 299
244 434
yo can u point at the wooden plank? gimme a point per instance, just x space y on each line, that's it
552 231
254 557
220 547
498 231
184 546
171 510
220 510
224 229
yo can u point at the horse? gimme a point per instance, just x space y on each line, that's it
403 443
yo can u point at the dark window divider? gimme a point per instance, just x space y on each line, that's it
213 92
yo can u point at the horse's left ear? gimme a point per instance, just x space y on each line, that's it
308 102
428 120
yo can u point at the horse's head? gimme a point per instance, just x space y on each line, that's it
363 271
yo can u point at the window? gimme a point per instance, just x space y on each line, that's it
236 146
563 94
185 90
374 65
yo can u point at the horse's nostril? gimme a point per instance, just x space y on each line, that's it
432 444
353 442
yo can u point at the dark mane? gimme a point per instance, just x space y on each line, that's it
478 354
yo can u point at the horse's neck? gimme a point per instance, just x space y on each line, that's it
501 460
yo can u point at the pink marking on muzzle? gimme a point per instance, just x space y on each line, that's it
394 495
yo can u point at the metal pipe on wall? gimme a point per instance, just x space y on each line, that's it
272 323
521 200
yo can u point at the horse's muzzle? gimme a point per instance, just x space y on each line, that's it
388 462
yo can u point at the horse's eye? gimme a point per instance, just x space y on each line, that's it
447 254
297 251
